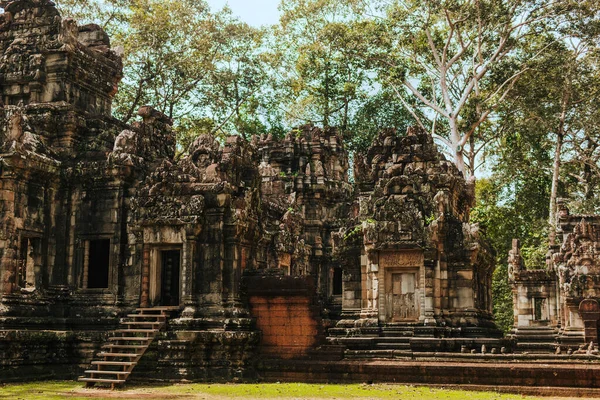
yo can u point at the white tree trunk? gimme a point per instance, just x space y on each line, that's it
554 191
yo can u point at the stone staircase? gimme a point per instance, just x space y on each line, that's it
398 341
534 340
391 341
124 349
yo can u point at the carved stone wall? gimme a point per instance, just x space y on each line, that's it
98 217
561 295
306 199
422 263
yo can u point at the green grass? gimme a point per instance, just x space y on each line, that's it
332 391
39 390
74 390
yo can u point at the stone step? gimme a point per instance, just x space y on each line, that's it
535 331
136 331
131 338
392 339
392 346
146 316
123 346
384 353
94 371
536 338
115 363
99 380
535 334
143 323
161 310
400 331
128 343
130 355
354 343
536 345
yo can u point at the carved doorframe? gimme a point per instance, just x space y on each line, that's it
155 272
401 261
389 293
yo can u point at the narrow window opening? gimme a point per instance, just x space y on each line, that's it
22 263
98 264
29 259
539 309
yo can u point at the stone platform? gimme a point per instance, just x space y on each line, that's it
175 355
499 371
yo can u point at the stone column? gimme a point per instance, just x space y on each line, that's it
144 297
371 270
432 290
8 266
589 309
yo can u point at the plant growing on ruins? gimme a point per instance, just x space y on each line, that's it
354 232
429 219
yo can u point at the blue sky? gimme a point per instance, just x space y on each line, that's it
254 12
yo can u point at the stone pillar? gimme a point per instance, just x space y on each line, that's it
189 268
144 297
589 309
8 272
432 300
371 303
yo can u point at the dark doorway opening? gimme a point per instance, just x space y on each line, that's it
337 281
98 264
169 294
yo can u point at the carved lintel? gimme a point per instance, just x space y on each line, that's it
401 258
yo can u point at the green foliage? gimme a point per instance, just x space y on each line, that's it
503 299
206 70
319 79
506 210
430 219
356 231
379 111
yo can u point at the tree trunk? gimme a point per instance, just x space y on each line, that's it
554 190
587 170
471 157
459 158
560 136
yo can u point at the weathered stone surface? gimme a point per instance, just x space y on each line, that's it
412 257
561 297
287 313
98 217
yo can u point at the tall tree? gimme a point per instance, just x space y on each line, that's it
321 79
238 82
109 14
204 69
444 52
554 105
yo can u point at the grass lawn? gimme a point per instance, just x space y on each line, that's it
75 390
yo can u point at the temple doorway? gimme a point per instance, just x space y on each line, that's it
402 299
171 260
165 277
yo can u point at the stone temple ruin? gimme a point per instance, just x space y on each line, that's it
557 307
111 242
